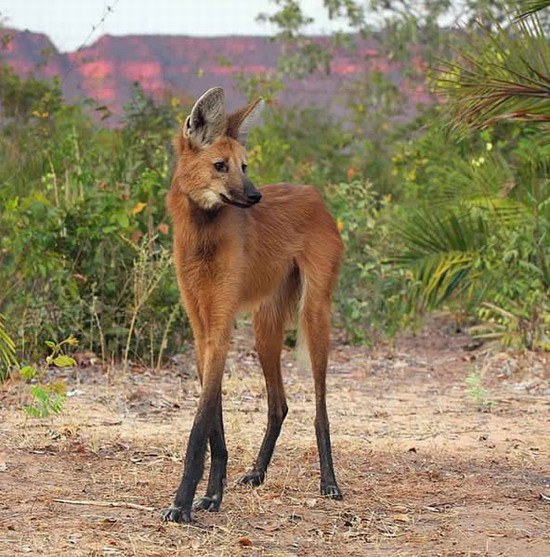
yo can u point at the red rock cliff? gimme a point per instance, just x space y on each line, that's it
106 70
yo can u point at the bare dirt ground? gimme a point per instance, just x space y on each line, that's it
423 471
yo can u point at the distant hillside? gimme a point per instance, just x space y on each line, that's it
105 70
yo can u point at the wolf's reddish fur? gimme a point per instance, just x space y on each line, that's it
276 257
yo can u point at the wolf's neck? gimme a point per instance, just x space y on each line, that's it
199 216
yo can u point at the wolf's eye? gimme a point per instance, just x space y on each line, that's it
244 167
220 166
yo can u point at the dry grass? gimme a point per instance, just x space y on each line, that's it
423 472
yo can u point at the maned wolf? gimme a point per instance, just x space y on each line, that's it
274 252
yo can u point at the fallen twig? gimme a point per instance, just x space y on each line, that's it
544 497
122 504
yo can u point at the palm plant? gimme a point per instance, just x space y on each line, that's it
483 240
448 241
503 75
444 251
486 252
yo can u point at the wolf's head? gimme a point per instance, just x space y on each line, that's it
211 166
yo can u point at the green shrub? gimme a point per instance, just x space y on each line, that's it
371 297
81 204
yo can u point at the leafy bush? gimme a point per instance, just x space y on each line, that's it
299 146
82 206
371 299
479 241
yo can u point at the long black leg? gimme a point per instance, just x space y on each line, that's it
316 322
208 409
218 466
269 343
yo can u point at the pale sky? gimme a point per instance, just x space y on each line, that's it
69 23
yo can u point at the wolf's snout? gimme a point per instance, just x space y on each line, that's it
253 196
251 193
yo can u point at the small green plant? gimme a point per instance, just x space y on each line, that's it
477 392
48 398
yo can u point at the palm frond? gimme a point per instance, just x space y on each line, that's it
503 210
426 233
528 8
7 350
500 76
442 274
442 251
487 175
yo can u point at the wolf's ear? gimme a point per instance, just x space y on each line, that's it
207 120
240 123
